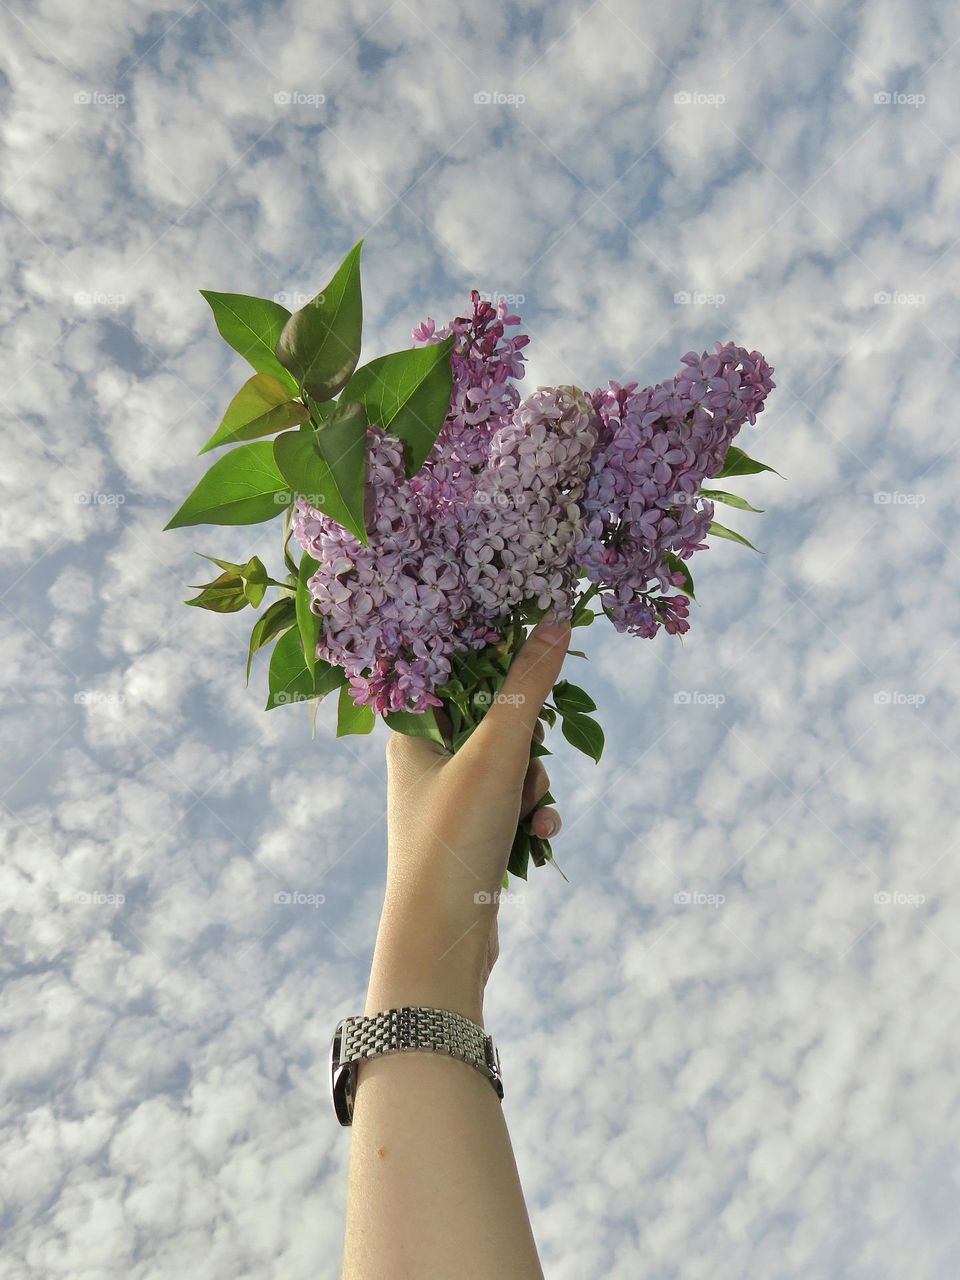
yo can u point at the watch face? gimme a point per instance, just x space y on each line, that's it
341 1079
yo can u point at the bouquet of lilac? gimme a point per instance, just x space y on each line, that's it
439 514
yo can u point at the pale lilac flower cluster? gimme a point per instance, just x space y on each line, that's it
490 521
655 449
514 503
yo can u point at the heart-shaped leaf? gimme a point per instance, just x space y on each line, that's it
307 472
245 486
569 698
261 407
408 394
583 733
320 343
253 327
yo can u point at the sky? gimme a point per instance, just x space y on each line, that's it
729 1042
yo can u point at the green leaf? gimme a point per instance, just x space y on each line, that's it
280 615
422 724
676 565
722 532
408 394
520 852
307 621
568 698
289 679
548 715
540 851
738 463
731 499
243 487
261 407
350 717
252 326
342 444
320 343
224 595
538 749
583 733
583 619
308 474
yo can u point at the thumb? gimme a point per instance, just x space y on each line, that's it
508 725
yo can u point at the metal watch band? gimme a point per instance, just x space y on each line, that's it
404 1029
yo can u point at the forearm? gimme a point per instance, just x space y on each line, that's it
433 1188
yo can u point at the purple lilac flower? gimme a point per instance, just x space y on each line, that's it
514 502
655 449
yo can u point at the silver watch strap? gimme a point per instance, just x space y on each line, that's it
432 1030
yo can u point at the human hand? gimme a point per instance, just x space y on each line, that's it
451 822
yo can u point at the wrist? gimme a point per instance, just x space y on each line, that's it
416 964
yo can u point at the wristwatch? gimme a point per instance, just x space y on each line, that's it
400 1030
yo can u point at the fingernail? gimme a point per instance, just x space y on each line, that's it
550 827
549 629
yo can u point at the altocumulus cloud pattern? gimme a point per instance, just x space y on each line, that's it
731 1039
